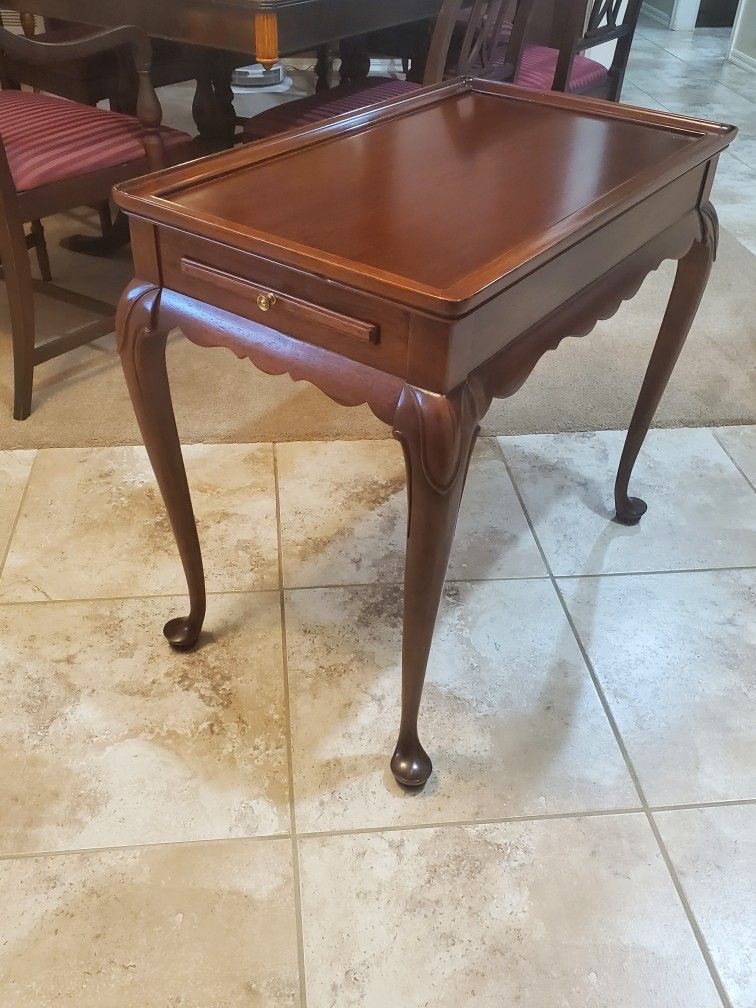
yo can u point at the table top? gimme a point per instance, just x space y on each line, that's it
438 200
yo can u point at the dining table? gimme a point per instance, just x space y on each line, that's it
443 243
265 30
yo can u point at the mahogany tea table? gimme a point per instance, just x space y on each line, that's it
419 256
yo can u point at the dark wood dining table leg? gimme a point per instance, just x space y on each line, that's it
102 245
437 434
690 282
213 104
142 349
355 60
323 69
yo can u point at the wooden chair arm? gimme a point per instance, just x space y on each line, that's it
36 51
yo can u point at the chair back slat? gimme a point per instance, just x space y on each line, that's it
578 31
605 14
480 52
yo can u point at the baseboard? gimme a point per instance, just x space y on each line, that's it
742 59
657 15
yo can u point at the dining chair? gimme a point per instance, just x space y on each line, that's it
563 65
57 154
478 52
93 79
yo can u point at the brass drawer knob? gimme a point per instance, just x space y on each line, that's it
266 301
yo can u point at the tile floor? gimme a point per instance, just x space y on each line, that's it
221 829
687 72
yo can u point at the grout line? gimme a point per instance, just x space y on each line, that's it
290 750
464 823
702 943
135 598
360 831
724 448
12 532
108 849
652 573
725 803
698 934
733 153
373 584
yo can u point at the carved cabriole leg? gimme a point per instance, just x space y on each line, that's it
690 282
142 350
437 434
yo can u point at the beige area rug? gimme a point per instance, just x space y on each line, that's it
587 384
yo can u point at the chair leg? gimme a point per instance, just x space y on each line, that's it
40 247
106 219
18 280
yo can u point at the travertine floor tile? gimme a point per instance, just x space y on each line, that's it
109 737
574 913
740 444
344 516
510 716
201 926
701 512
93 524
15 467
714 851
675 655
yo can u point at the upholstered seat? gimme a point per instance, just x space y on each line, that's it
57 154
48 139
344 98
538 65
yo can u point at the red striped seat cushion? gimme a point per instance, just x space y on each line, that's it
538 64
49 139
313 108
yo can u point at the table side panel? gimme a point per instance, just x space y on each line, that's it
232 280
485 331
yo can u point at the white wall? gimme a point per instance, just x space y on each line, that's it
743 46
604 54
680 15
660 10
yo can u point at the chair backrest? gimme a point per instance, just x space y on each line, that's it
608 21
480 52
149 112
606 25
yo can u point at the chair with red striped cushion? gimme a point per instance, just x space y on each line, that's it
538 67
56 154
554 59
562 64
49 139
478 52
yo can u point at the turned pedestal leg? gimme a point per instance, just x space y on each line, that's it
142 350
355 60
690 282
438 434
213 105
323 69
